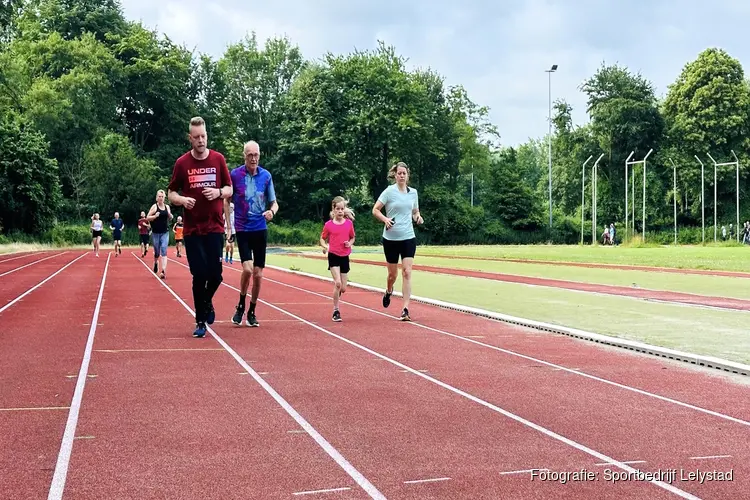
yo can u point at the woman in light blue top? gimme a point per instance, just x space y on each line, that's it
401 204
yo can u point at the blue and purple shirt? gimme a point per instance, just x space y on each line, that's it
252 195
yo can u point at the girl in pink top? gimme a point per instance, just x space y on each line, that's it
337 240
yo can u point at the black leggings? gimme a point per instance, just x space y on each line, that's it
204 258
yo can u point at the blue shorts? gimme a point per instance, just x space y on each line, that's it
160 241
117 235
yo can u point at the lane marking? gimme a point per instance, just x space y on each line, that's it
361 480
529 471
711 456
157 350
38 408
31 264
628 462
530 358
66 447
416 481
315 492
25 254
24 294
475 399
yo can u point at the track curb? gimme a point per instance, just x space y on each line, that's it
641 347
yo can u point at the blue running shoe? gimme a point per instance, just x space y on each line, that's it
200 330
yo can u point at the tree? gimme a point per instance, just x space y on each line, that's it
624 118
707 111
30 191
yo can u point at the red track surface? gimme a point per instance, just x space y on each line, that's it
647 294
167 415
597 265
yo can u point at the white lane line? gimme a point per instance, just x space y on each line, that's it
417 481
710 457
482 402
625 462
24 294
523 356
63 457
25 254
529 471
361 480
31 264
316 492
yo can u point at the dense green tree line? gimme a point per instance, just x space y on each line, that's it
94 111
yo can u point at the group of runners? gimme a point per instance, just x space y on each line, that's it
224 208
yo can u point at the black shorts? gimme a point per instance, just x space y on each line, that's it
95 234
338 261
252 246
231 238
117 235
145 240
394 249
178 241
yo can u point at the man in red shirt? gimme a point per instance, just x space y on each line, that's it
143 227
200 182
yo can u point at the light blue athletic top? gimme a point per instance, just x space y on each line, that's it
399 205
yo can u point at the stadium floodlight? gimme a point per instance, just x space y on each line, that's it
736 164
594 176
583 192
703 200
641 162
674 197
549 142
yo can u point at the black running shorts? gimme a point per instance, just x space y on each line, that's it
252 246
394 249
338 261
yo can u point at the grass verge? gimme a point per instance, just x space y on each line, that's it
721 334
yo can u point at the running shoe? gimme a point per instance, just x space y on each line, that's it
387 299
200 330
251 320
336 316
238 313
405 315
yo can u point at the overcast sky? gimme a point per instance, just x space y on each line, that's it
497 50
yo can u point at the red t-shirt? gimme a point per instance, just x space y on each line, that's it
143 226
337 234
190 177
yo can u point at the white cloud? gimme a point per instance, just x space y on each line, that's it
497 50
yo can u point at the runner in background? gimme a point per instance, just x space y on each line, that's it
96 232
116 227
143 229
160 215
229 228
177 228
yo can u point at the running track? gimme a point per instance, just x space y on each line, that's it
448 406
623 291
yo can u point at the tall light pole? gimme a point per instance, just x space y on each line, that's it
549 142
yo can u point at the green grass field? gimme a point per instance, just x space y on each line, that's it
719 286
728 258
715 333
